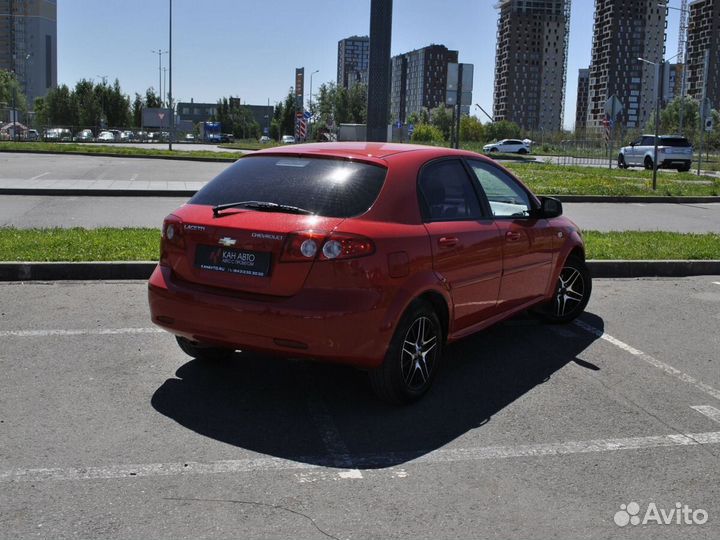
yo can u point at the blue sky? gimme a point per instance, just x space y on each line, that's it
250 49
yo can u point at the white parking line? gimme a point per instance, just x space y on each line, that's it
80 332
710 412
667 368
329 433
389 461
39 176
716 282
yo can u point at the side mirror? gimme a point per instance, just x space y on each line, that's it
632 144
550 207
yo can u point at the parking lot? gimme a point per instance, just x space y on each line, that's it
108 430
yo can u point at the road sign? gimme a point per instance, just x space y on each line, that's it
411 129
613 107
709 124
398 124
308 114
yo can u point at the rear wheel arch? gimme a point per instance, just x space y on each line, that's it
440 306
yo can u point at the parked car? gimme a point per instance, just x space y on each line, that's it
673 152
227 138
264 139
86 135
32 135
106 136
58 135
189 137
370 254
288 139
508 146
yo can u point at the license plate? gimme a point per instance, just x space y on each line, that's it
233 261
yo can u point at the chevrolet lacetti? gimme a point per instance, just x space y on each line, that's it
369 254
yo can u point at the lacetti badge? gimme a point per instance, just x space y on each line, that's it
227 241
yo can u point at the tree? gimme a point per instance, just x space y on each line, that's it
137 108
88 106
152 101
41 116
471 129
442 118
61 107
419 117
503 129
9 85
427 133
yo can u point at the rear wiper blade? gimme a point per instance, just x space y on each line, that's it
262 206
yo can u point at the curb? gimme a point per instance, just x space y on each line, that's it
662 199
80 192
125 270
132 156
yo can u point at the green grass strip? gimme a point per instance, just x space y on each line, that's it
652 245
574 180
108 244
183 151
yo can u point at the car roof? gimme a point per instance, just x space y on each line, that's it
367 151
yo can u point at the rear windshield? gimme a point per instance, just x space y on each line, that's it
674 141
326 187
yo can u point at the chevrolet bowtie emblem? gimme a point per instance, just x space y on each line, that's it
227 241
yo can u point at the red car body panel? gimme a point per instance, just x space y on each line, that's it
346 310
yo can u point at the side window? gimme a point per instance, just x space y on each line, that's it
507 199
446 192
648 141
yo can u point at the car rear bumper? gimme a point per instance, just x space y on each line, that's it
341 327
673 163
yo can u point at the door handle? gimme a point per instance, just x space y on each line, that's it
513 236
448 241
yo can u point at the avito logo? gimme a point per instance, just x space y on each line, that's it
681 514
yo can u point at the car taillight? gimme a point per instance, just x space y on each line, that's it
311 245
172 237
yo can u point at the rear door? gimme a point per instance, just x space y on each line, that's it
466 243
527 241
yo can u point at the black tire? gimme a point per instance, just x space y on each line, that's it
572 293
648 163
621 162
493 149
522 151
684 168
413 357
203 352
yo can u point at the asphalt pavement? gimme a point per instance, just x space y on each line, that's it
108 430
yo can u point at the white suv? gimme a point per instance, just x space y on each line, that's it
673 152
508 145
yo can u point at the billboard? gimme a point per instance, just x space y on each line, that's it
156 118
299 88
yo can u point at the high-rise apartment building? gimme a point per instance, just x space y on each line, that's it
28 44
419 80
353 61
531 62
624 31
581 104
704 34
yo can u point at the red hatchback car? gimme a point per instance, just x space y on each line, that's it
369 254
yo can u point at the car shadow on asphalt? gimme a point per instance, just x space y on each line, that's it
327 415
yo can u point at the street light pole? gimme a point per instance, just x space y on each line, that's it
311 111
172 108
160 52
659 74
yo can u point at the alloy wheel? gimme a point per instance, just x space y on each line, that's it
418 355
570 291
